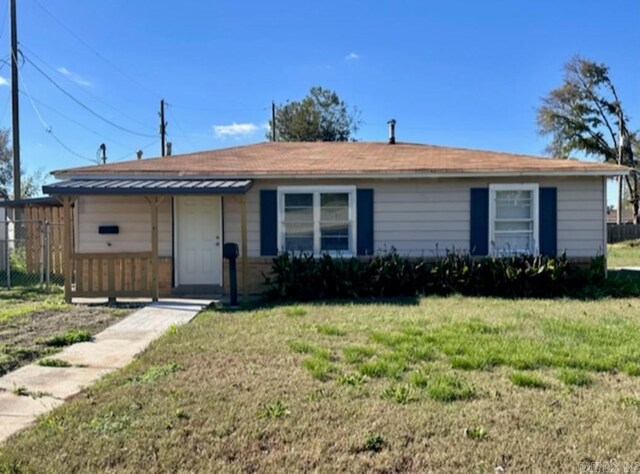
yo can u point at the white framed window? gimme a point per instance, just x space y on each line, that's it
317 220
513 218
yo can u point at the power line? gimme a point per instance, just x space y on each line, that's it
142 148
78 123
5 108
175 120
88 109
4 21
31 53
90 48
211 108
47 127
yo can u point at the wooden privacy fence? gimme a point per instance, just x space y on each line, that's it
34 232
113 275
622 232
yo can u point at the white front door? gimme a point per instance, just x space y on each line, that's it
199 240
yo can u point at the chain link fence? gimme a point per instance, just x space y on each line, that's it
31 254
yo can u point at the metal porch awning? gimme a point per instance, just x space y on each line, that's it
146 186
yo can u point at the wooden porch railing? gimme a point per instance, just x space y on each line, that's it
126 275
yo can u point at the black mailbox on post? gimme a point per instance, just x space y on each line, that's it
231 252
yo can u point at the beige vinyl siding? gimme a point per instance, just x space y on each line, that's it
132 214
231 213
425 217
418 217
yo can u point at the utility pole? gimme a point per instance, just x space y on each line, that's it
15 114
273 121
163 129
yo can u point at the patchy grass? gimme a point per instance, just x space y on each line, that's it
400 393
411 386
66 338
528 380
357 354
330 330
477 433
374 443
577 378
449 388
319 367
155 373
624 254
274 410
28 317
19 303
53 362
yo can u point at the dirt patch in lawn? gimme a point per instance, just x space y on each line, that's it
22 338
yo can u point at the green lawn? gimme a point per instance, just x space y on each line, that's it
624 254
435 384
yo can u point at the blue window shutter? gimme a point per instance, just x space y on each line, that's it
268 222
548 221
364 215
479 241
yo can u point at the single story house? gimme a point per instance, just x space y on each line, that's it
157 226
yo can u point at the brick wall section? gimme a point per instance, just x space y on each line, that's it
255 269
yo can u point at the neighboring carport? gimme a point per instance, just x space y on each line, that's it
117 264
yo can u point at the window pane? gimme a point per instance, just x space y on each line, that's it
513 242
334 207
334 237
514 226
334 222
305 200
513 205
298 222
298 237
298 208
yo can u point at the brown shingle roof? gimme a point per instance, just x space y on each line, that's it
344 159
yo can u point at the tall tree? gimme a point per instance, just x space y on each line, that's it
320 116
585 115
31 182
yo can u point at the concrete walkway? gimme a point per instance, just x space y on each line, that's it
112 349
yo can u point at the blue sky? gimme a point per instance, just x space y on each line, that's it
461 73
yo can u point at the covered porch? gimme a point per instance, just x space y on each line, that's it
195 236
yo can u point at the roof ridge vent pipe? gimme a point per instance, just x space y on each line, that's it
139 154
169 145
392 131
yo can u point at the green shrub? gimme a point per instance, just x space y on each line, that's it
303 277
